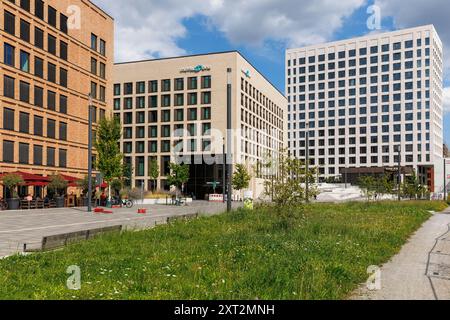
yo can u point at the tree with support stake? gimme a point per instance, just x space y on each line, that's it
109 158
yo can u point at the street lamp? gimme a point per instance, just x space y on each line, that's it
307 164
399 178
229 137
90 154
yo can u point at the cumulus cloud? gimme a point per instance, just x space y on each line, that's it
151 28
447 100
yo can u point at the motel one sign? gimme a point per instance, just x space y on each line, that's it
196 69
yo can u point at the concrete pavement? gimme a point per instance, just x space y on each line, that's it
421 271
30 226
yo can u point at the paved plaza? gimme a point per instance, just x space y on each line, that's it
20 227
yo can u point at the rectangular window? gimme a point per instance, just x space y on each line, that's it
117 89
63 50
39 9
102 47
192 83
38 97
93 42
8 119
179 84
9 55
8 151
24 30
24 153
63 104
165 85
94 66
51 100
63 131
102 70
51 44
38 38
24 61
62 158
63 77
51 72
51 128
206 82
51 157
9 23
37 155
51 16
63 23
24 91
38 126
25 4
153 86
24 122
8 87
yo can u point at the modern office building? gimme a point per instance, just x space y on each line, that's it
178 107
54 53
360 99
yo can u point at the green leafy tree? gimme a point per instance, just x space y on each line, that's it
368 186
288 186
179 175
411 187
11 182
109 158
127 174
57 184
153 172
241 178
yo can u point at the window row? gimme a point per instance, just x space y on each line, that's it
38 125
165 116
167 146
166 85
38 154
164 101
166 131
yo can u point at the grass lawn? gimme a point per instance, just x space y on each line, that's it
322 254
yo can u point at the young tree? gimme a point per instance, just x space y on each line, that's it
241 178
109 158
412 188
368 186
179 175
11 182
57 184
287 187
153 171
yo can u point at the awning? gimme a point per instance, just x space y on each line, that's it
72 181
27 177
103 185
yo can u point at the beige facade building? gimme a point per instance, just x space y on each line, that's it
55 52
177 107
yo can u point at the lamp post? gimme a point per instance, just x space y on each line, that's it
90 154
224 171
445 180
307 165
229 141
399 178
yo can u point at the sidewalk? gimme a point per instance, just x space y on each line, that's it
421 271
19 227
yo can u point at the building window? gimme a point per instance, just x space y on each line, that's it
51 157
24 91
25 4
192 83
39 9
63 50
94 66
102 70
51 128
128 88
63 23
51 100
9 55
192 99
153 86
51 72
165 85
179 84
63 77
8 119
206 97
24 30
38 126
206 113
93 42
102 47
63 158
51 44
24 61
24 153
8 151
37 155
93 90
165 100
51 16
140 166
63 104
63 131
24 122
117 89
8 87
9 23
38 38
38 97
206 82
38 67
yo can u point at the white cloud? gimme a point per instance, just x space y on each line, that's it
149 28
415 13
447 99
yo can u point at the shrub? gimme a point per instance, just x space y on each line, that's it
12 181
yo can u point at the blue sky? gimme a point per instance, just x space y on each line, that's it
260 30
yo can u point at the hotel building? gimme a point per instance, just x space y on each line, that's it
363 98
55 52
178 106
